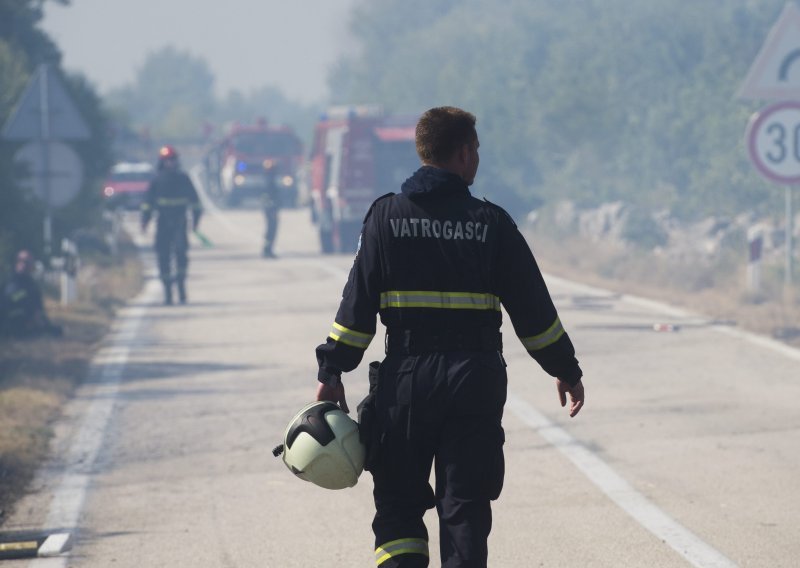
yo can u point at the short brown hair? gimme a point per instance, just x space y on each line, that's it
441 131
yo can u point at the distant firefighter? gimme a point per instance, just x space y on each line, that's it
22 311
171 195
271 203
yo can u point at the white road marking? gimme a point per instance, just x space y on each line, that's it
680 539
55 544
216 212
108 366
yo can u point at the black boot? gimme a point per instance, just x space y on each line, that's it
182 291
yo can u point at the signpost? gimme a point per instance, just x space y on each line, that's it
45 114
773 142
773 133
56 183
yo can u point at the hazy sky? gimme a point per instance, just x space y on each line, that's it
247 43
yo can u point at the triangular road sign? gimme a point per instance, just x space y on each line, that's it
46 111
775 74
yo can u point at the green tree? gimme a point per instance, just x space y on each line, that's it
172 95
591 100
23 46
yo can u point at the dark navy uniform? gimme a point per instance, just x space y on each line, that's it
22 312
170 195
271 204
436 264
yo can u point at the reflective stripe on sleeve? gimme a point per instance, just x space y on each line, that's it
172 202
350 337
445 300
548 337
402 546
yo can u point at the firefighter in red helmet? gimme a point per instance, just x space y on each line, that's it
171 196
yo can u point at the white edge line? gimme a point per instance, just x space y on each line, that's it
679 538
107 366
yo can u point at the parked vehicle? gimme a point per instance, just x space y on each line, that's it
127 183
235 166
359 153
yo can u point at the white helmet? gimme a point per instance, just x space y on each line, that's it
321 445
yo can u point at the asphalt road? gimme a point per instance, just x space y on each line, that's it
687 452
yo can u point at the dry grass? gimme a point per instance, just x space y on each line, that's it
38 375
717 291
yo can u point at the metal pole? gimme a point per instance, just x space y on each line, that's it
44 110
789 247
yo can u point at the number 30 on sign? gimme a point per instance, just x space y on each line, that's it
773 142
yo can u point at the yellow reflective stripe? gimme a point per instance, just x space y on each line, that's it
19 546
350 337
402 546
171 202
548 337
145 206
442 300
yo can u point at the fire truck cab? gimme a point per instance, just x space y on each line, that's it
236 167
358 154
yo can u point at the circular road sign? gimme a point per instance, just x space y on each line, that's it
59 181
773 142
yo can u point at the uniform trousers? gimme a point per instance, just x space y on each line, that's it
172 245
440 410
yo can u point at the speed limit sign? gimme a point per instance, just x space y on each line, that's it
773 142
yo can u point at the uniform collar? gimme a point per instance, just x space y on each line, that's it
430 180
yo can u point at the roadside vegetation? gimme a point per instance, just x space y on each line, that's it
37 376
23 47
714 289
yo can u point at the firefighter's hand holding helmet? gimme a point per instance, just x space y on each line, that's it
322 445
334 392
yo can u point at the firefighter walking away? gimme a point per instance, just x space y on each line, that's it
437 264
271 204
171 196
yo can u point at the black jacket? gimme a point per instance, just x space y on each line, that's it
171 193
21 299
436 258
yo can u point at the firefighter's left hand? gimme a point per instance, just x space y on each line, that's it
333 394
576 396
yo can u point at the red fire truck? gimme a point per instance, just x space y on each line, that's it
236 165
359 153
